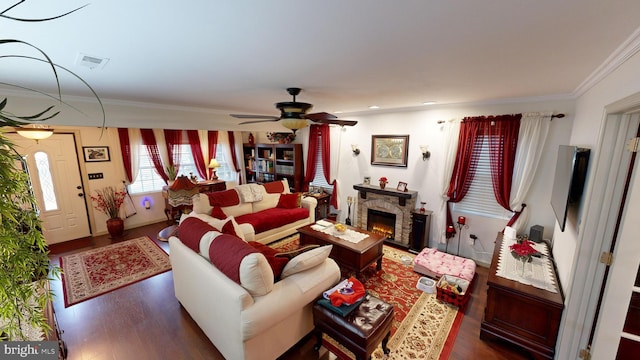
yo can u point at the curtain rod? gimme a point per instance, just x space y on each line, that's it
559 116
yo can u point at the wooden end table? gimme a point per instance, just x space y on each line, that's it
352 257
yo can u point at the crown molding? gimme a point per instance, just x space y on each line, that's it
625 51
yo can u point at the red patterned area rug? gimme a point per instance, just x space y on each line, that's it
94 272
424 328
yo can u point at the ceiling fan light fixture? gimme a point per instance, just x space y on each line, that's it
294 124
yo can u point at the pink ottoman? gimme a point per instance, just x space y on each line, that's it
434 263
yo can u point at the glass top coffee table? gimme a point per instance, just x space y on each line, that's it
351 257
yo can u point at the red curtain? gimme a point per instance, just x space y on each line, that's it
312 155
502 135
125 149
196 150
503 140
466 163
212 139
149 140
232 145
173 139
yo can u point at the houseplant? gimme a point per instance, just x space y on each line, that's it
281 137
24 261
383 182
109 200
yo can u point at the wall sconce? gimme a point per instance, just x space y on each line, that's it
355 149
147 204
425 152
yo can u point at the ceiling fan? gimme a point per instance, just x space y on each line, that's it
293 115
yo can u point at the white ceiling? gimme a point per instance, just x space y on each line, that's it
239 56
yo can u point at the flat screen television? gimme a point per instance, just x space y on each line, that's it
568 183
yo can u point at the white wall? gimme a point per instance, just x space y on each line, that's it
426 176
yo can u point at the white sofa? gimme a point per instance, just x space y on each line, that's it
245 207
241 325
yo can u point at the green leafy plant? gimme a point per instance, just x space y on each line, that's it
24 262
172 173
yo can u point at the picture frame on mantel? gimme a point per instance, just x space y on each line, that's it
390 150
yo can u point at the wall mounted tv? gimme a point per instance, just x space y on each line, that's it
568 184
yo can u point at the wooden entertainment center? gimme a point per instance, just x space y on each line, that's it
521 314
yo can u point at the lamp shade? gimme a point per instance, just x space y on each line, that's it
294 124
213 164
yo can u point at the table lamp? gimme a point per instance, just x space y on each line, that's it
213 165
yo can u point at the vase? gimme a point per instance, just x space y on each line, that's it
115 227
382 184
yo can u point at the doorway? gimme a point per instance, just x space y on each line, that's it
53 167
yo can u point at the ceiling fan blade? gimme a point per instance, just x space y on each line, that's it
320 116
337 122
266 117
258 121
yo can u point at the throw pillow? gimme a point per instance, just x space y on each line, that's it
289 201
242 263
307 260
192 230
274 187
276 263
217 213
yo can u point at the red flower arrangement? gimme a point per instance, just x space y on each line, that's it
109 201
523 250
383 180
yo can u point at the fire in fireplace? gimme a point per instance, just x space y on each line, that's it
382 223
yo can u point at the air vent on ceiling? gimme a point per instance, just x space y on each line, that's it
90 61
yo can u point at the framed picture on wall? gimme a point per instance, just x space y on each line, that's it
96 153
389 150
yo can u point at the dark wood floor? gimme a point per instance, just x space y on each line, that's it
145 321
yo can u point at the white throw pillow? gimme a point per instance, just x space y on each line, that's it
256 275
201 204
306 260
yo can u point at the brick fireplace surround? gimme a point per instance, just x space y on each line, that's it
399 203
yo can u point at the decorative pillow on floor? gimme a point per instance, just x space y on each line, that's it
307 260
242 264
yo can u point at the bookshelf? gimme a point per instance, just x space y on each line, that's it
271 162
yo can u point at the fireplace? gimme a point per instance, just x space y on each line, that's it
381 223
393 205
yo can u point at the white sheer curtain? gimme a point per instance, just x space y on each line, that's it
534 127
135 141
451 131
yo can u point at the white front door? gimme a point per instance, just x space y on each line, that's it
55 175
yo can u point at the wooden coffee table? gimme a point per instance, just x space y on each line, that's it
351 257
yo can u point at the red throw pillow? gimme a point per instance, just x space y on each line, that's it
192 230
217 213
276 263
288 201
274 187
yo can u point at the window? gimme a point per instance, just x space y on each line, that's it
148 179
46 181
480 199
319 179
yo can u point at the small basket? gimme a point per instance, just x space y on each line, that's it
460 300
427 285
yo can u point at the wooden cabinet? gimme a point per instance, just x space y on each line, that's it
420 227
55 334
521 314
270 162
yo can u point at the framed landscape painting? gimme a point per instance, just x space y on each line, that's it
389 150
